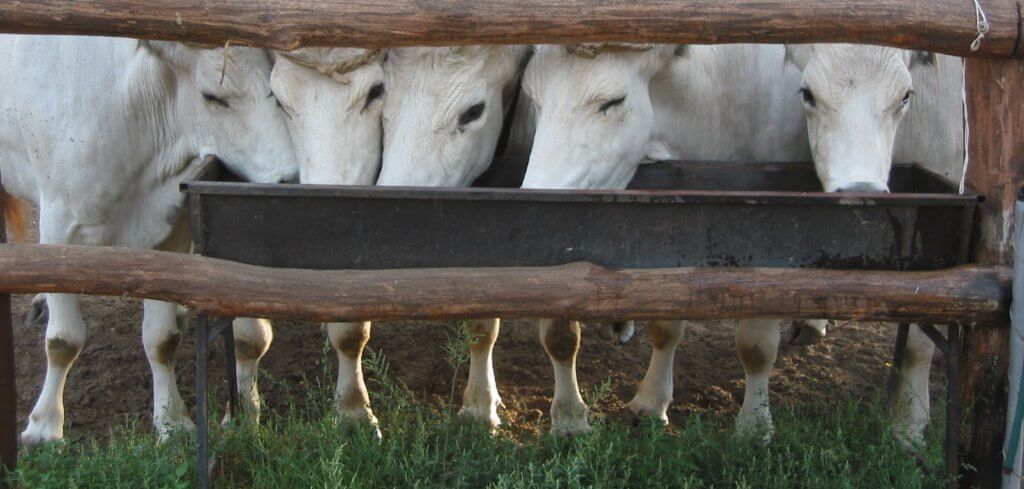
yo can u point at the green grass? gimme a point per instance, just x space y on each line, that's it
429 446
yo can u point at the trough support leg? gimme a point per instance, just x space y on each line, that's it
202 421
229 364
896 372
952 353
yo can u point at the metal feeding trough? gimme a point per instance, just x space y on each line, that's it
675 214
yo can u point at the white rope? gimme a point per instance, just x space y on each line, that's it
967 125
982 23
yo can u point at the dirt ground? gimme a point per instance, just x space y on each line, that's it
110 383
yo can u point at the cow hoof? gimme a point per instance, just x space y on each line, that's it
753 427
167 427
361 419
570 424
38 313
636 415
38 433
485 413
807 333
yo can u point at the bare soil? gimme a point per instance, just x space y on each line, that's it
110 383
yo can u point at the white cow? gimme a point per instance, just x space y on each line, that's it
99 132
602 113
442 118
332 98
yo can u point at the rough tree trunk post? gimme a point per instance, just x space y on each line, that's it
995 90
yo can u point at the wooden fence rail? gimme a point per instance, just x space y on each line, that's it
947 26
966 294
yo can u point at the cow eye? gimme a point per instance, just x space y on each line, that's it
376 92
471 114
906 99
808 97
611 103
213 99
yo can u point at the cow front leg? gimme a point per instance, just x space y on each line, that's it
160 338
65 337
911 409
561 340
654 395
757 343
480 400
252 340
348 341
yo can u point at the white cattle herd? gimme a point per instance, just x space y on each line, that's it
99 132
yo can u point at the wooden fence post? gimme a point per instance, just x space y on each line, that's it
9 396
995 91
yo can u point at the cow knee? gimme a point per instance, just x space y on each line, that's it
349 339
665 334
561 339
483 333
252 338
61 352
757 343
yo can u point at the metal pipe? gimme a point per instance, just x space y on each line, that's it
953 406
202 423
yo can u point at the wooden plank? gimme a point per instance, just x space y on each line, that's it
947 26
995 89
578 290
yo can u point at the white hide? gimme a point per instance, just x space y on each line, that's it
332 99
861 96
444 111
442 118
99 132
725 102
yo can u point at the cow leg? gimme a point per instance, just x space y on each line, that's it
160 338
561 339
911 409
252 340
65 336
348 341
480 399
757 342
655 392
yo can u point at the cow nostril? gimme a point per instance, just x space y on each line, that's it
864 188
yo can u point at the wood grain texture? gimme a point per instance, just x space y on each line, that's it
946 26
995 89
580 290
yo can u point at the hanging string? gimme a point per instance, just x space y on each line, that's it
982 22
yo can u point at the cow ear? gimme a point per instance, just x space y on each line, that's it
175 54
921 58
799 54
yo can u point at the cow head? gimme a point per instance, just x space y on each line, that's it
333 99
444 112
594 113
855 97
227 94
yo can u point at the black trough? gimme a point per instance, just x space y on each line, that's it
676 214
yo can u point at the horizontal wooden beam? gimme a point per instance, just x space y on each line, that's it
969 294
946 26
